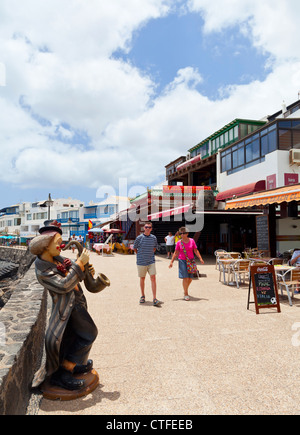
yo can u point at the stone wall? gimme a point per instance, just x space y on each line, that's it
22 332
17 255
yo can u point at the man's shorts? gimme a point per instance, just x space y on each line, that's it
170 248
142 270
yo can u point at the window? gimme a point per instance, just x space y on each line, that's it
272 137
43 215
236 132
231 135
285 124
285 139
226 161
244 130
251 128
282 135
296 139
238 157
264 145
253 150
74 214
294 109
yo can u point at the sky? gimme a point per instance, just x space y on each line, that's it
93 92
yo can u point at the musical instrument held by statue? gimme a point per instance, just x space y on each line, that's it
93 285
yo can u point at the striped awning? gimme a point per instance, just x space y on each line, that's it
172 212
275 196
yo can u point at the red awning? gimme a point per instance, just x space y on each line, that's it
173 212
242 190
189 162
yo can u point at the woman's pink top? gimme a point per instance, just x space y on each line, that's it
189 247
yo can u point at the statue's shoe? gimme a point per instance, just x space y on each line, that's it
64 379
79 369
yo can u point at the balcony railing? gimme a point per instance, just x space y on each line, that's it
96 216
90 216
68 221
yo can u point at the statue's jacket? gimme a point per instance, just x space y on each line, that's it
64 296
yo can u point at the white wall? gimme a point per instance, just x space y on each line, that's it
287 227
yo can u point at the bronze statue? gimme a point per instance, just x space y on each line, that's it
71 331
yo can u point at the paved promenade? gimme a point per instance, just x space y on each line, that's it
206 356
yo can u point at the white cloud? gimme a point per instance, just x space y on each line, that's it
271 24
62 81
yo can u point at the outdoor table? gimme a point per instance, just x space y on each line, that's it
266 260
101 247
282 267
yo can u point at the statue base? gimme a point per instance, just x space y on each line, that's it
53 392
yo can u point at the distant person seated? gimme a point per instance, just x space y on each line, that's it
295 260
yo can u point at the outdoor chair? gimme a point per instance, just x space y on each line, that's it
290 280
125 249
221 255
274 261
217 253
119 247
235 255
256 253
241 271
257 262
225 268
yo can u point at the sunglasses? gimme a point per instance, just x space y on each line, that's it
146 227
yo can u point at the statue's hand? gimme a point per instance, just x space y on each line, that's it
67 263
91 269
84 257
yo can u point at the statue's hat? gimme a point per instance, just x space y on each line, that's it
53 227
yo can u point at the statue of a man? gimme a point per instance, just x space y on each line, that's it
71 331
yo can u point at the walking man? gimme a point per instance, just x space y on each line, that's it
170 244
144 246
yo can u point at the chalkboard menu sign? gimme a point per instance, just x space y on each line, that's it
262 233
264 284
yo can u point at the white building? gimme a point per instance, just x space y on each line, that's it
265 160
24 220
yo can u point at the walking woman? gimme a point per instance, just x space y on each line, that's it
185 247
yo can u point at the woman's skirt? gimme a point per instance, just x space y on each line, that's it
183 272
